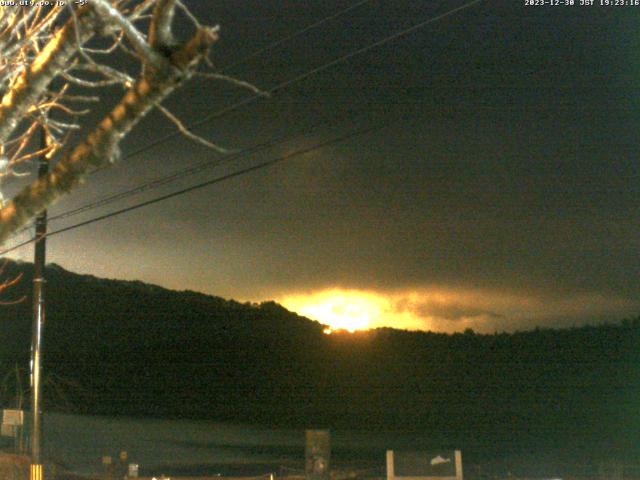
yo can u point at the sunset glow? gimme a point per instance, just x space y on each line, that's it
338 309
439 309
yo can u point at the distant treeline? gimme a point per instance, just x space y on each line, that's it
128 348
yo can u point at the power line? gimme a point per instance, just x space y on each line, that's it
209 163
287 83
158 182
207 183
194 169
244 60
287 38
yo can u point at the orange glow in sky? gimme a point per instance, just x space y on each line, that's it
437 308
339 309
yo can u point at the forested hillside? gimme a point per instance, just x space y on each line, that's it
128 348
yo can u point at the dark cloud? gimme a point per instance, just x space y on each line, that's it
447 311
509 164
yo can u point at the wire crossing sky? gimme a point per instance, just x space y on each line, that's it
221 113
502 194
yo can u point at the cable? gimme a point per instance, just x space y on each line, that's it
177 175
207 183
192 170
299 78
252 55
283 40
292 81
20 245
158 182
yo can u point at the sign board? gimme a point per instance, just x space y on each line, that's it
133 470
12 417
12 420
436 465
317 454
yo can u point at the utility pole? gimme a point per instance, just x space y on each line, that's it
36 470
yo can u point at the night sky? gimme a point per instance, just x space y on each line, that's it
501 194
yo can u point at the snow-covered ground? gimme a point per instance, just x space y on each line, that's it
183 447
79 443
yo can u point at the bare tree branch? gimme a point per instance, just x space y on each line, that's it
32 82
112 15
235 81
160 29
47 64
187 133
101 145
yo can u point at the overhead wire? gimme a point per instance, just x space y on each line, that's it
242 61
278 87
225 68
194 169
309 73
222 178
287 83
241 154
292 36
252 98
